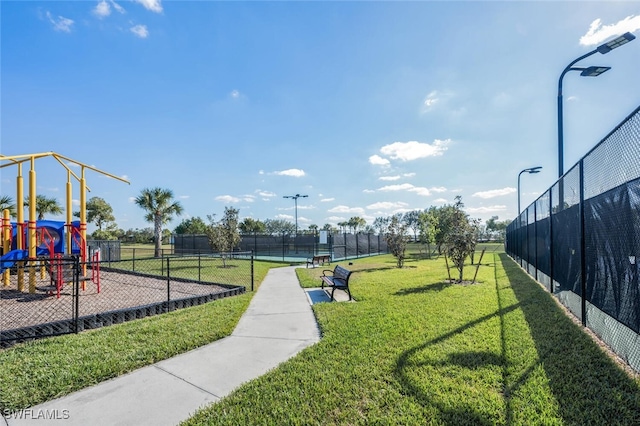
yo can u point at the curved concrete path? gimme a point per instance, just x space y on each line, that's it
278 324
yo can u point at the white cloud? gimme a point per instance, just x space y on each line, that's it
140 30
184 197
117 7
102 9
406 187
75 202
431 100
326 200
396 177
152 5
335 219
291 172
488 209
346 209
376 160
438 189
227 199
235 94
61 23
387 205
132 199
284 217
440 201
436 99
494 193
413 150
249 198
368 191
401 187
599 33
265 193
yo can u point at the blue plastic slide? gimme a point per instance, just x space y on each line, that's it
9 259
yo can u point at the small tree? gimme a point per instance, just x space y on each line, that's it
6 202
356 222
427 226
461 238
160 207
194 225
380 224
99 212
397 239
45 205
224 235
279 227
251 226
412 220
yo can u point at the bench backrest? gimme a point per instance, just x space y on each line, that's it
341 273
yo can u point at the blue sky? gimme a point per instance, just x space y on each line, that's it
369 108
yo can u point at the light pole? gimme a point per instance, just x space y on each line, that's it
529 170
593 71
295 199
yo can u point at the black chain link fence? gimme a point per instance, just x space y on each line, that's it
581 239
286 247
67 296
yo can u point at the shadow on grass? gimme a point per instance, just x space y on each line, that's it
587 385
376 269
424 289
463 412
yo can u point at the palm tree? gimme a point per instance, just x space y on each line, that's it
160 207
7 203
45 205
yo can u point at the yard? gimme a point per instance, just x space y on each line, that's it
412 349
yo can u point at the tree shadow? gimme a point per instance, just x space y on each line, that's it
375 269
594 390
463 412
424 289
20 296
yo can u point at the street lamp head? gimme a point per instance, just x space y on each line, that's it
617 42
594 71
533 169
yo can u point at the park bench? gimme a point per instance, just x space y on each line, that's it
318 260
339 279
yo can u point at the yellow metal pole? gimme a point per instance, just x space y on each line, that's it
83 223
32 226
69 213
19 223
6 243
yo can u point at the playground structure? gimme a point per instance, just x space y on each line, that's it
27 245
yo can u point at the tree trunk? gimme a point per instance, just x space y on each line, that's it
157 233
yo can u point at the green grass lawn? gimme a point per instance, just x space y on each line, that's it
415 349
412 349
41 370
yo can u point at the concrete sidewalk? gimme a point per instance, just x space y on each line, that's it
278 324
